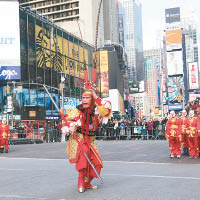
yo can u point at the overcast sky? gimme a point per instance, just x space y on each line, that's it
153 14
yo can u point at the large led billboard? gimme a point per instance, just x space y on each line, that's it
176 89
193 75
172 15
173 39
70 58
9 41
193 97
174 63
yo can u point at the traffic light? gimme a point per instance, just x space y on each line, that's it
8 89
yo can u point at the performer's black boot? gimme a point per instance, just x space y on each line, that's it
184 152
187 151
1 150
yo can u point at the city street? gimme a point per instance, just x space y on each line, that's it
139 170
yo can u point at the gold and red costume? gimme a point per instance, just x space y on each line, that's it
173 135
4 137
184 124
87 122
192 132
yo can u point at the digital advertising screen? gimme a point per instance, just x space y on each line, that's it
176 89
174 63
193 75
9 41
172 15
173 39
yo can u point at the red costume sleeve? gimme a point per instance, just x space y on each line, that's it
167 128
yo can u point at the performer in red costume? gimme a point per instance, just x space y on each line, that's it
184 125
4 136
193 135
84 121
173 135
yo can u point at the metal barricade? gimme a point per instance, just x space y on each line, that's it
129 133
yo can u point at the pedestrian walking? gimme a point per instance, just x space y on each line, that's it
150 128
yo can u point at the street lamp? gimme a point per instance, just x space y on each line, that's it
62 88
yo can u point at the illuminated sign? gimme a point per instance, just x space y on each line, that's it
175 89
173 39
10 73
172 15
175 107
32 113
193 75
9 40
56 52
174 63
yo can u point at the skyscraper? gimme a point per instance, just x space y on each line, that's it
152 62
189 25
110 15
132 11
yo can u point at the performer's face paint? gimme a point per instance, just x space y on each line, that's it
191 113
86 100
4 121
184 113
172 114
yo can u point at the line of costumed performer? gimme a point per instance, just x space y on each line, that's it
84 121
184 124
193 136
173 135
4 136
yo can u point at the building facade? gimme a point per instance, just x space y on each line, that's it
77 17
50 56
140 103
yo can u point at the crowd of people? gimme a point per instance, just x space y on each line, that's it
132 129
193 105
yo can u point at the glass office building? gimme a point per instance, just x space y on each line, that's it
47 54
133 37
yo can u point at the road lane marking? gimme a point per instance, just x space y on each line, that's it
21 197
34 158
136 162
105 161
154 176
11 169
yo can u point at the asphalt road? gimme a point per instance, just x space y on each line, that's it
133 170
